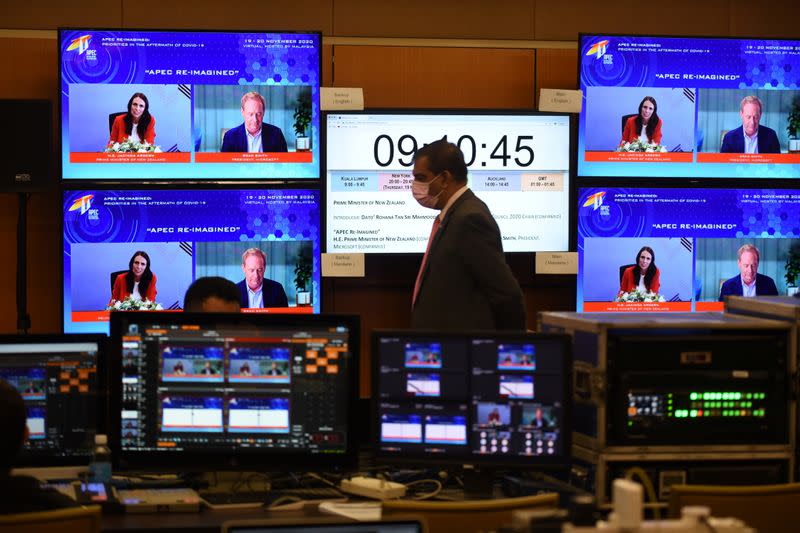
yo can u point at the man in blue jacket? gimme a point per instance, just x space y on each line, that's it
255 290
254 135
751 138
749 282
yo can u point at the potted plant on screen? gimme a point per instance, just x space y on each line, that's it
302 277
302 120
794 127
792 269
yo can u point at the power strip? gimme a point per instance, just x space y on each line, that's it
374 488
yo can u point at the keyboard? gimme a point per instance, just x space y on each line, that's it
259 498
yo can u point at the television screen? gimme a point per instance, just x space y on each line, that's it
689 107
205 390
683 249
181 235
205 105
58 379
492 398
519 164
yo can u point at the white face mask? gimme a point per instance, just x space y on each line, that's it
421 192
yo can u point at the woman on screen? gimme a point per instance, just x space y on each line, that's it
645 126
139 281
135 125
644 275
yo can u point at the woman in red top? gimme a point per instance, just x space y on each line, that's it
137 122
643 274
139 280
647 119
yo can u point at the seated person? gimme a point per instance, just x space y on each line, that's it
644 275
178 370
135 125
253 135
212 294
274 370
749 282
244 370
139 281
208 370
750 137
20 494
255 290
645 126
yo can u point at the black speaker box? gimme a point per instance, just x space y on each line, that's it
26 139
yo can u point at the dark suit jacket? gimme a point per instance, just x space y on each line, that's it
733 142
272 139
467 284
765 286
272 292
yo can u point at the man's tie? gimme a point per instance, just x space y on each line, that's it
434 229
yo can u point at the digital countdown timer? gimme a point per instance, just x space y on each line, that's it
519 164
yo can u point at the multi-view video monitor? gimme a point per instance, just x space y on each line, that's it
689 107
58 378
230 390
519 163
267 241
472 398
684 249
178 105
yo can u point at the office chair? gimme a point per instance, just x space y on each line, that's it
114 275
112 117
625 120
74 520
770 508
622 270
468 516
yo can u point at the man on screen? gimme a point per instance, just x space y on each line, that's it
751 138
254 135
464 281
749 282
255 290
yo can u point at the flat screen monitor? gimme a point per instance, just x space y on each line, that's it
519 164
723 107
59 380
204 390
209 104
472 398
699 245
187 234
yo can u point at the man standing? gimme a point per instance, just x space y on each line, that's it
463 281
255 290
749 282
253 135
751 138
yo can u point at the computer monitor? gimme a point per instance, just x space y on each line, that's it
59 380
229 391
519 163
472 398
194 97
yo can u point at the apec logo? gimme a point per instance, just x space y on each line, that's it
81 44
84 205
595 201
599 51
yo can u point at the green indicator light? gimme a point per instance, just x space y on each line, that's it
738 395
693 413
693 396
749 395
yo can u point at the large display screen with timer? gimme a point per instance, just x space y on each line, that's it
519 164
183 235
194 97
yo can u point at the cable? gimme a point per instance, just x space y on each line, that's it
426 495
648 486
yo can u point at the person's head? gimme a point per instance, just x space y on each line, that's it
138 105
750 111
208 364
212 294
274 365
139 270
439 171
244 368
645 264
13 420
748 262
648 116
254 262
253 106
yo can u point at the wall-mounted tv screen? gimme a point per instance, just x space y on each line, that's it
689 107
518 162
143 104
265 240
683 249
